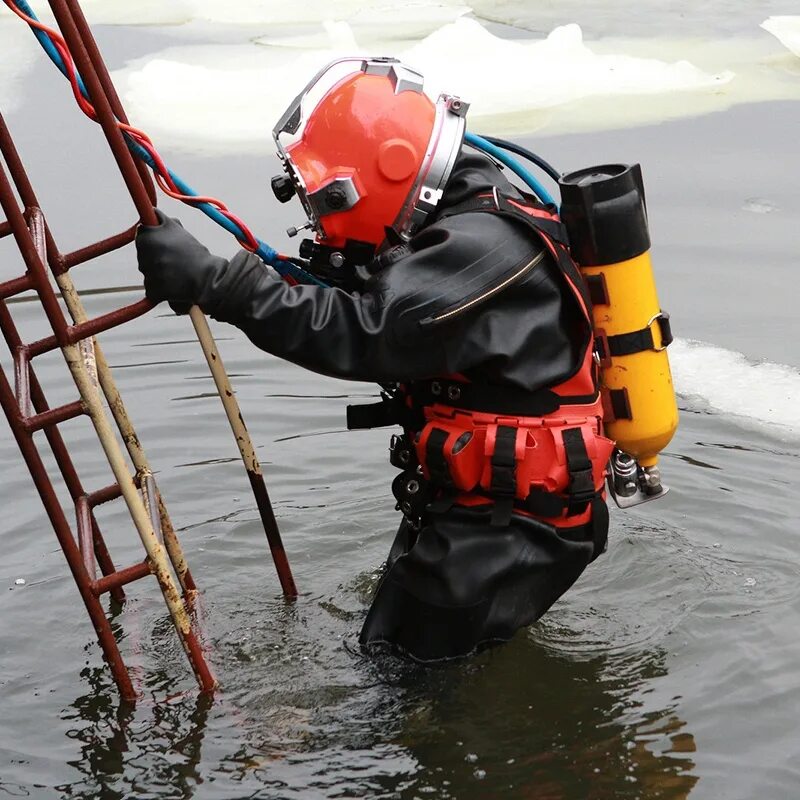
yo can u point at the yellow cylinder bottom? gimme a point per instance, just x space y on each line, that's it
646 375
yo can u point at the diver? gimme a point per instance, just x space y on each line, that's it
451 288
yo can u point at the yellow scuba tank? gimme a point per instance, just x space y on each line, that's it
605 214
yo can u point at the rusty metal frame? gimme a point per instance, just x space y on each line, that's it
28 411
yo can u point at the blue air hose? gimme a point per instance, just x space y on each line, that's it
503 157
264 251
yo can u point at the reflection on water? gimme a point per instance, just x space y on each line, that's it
157 744
695 462
533 722
522 721
690 611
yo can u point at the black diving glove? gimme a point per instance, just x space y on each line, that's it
178 268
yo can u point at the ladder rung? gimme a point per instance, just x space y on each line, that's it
121 577
91 251
5 229
91 327
103 495
54 416
15 286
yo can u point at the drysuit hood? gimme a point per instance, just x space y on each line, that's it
473 174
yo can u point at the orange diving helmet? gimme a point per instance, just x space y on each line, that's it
369 157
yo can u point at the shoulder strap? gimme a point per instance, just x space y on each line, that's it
543 221
537 215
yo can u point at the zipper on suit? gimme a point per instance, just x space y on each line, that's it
489 292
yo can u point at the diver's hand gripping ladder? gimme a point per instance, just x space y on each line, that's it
27 409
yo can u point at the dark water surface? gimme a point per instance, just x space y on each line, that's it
669 670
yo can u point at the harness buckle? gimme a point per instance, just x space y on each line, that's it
400 452
665 328
602 348
581 490
581 485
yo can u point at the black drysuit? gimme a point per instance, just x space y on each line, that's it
459 583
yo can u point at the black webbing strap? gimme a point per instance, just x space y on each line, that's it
549 504
594 531
598 290
616 404
543 503
481 202
434 458
501 400
580 491
372 415
626 344
544 223
550 225
544 219
599 526
504 475
389 410
445 500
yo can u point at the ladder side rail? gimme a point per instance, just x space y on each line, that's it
60 452
33 249
77 311
66 539
86 380
129 437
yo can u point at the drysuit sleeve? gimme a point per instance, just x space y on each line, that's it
471 295
474 296
323 329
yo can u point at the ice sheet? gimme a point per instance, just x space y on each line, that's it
218 97
125 12
512 75
419 17
730 383
786 30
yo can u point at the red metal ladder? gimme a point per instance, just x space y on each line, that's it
28 411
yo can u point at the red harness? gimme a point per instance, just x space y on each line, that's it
550 465
539 453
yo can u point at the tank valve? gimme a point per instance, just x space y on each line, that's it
631 484
651 480
625 472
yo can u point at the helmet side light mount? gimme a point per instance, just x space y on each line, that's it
403 79
338 194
